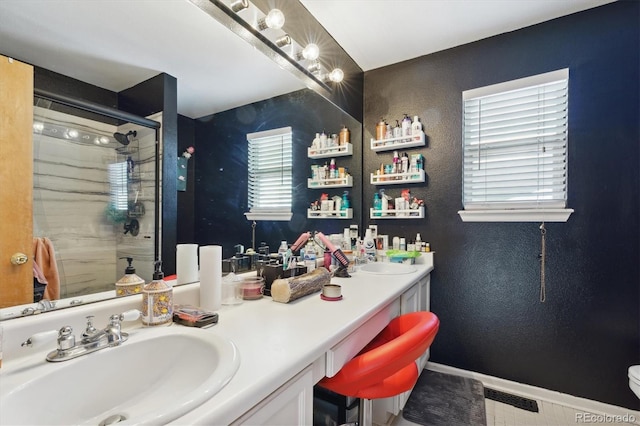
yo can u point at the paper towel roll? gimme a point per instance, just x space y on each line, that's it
187 263
211 277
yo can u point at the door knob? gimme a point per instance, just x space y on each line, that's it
19 259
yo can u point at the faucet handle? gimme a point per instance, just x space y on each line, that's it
130 315
90 330
40 339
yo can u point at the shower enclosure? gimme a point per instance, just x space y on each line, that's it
94 196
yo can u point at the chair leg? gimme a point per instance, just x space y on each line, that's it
365 412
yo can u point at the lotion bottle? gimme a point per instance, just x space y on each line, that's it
416 128
130 283
157 300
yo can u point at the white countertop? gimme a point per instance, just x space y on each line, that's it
275 340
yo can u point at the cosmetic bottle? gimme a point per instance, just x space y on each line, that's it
369 244
345 136
384 203
377 204
332 169
418 242
345 201
403 244
381 129
157 300
130 283
283 248
323 140
316 141
416 128
406 126
405 162
397 131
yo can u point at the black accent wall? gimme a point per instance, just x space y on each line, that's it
221 169
160 93
485 286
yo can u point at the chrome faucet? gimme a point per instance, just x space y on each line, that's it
92 338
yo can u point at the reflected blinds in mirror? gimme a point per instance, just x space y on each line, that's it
270 170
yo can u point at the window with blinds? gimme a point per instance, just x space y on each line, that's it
118 191
515 145
270 174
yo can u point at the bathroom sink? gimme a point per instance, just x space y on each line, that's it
154 377
384 268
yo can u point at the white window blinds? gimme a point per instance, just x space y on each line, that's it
118 192
515 144
270 174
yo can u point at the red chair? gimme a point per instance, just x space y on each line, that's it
386 366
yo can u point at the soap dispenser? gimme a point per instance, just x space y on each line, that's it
130 283
157 300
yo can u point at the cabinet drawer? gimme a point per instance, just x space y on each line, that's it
338 355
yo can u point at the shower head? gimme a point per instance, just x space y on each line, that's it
124 138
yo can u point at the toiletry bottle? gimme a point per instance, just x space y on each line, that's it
316 141
396 243
416 128
384 202
283 248
388 134
345 136
332 169
157 300
345 201
369 244
406 127
323 140
381 129
403 244
130 283
405 162
377 204
418 242
396 163
397 131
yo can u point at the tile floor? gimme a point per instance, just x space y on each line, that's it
499 414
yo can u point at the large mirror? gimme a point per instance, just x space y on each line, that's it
90 263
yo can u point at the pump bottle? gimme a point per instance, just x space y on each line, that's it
157 300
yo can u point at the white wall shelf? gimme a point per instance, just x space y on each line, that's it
330 214
397 214
398 178
333 151
345 182
398 143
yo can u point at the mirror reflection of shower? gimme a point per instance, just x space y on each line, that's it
94 180
123 138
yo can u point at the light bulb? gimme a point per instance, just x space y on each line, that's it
274 20
311 52
337 75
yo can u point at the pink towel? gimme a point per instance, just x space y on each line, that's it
45 257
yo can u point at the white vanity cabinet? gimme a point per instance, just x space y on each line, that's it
414 299
290 404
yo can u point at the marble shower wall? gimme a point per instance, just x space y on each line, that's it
71 195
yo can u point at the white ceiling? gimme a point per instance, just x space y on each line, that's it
117 44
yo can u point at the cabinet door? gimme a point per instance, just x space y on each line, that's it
16 181
291 404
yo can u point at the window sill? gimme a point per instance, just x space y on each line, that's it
276 216
524 215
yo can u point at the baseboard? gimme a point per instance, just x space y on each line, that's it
533 392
